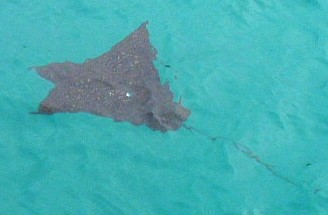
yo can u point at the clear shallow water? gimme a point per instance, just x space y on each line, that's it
253 71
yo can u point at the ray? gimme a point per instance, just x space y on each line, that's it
122 84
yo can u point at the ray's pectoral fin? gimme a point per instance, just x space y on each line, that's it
58 100
87 95
57 72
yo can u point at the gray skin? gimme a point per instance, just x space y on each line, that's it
122 84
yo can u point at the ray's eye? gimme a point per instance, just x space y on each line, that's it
128 94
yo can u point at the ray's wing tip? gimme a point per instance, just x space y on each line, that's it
35 113
32 68
144 25
35 68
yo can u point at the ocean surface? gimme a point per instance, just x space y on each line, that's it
254 73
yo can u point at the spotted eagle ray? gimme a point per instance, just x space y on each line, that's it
122 84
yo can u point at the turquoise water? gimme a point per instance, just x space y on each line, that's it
253 71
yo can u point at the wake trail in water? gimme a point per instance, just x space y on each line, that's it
243 149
